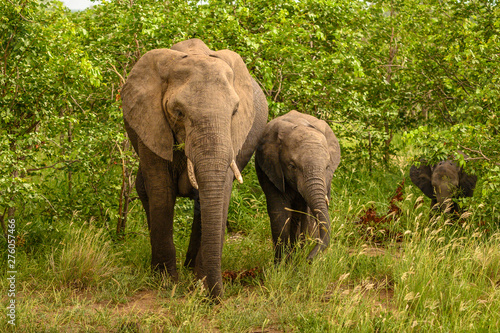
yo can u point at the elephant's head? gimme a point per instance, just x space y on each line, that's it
443 181
190 96
299 153
202 100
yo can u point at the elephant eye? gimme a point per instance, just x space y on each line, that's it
292 166
178 113
235 110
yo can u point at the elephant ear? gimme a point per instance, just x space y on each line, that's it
142 100
421 177
242 82
268 154
467 183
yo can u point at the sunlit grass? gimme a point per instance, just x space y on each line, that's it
438 274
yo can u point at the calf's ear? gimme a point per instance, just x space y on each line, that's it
268 154
421 176
467 183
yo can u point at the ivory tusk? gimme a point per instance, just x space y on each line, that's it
236 171
327 201
191 176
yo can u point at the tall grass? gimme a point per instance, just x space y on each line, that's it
437 275
85 260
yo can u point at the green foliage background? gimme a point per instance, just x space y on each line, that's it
396 80
393 78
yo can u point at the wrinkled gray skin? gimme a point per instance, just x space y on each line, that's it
442 181
191 103
295 161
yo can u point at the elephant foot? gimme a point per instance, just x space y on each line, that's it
191 255
164 269
216 292
190 262
314 252
213 285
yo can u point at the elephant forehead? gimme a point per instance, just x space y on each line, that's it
447 173
201 82
307 146
446 164
302 135
445 168
202 68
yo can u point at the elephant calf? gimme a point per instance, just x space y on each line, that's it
295 161
442 181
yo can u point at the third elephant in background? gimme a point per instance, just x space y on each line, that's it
295 161
443 181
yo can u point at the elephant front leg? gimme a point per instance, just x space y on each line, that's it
161 212
281 223
160 194
434 208
299 223
279 216
434 204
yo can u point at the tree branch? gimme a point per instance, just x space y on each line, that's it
52 166
483 157
122 80
74 100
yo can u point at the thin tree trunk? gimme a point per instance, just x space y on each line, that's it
70 173
393 50
126 189
2 222
370 151
11 211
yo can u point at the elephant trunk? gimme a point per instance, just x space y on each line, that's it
317 201
213 202
214 179
444 197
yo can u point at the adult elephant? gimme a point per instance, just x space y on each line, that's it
194 117
295 161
